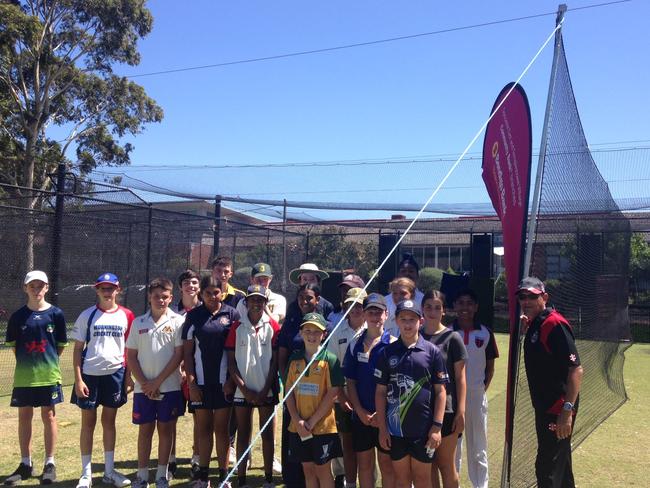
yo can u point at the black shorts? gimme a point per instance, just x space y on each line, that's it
343 419
213 399
365 437
409 446
107 390
447 424
36 396
319 450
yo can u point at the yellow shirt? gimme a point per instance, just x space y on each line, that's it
324 374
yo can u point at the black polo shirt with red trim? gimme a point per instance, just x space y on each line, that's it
549 352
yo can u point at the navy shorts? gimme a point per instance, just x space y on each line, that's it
320 449
343 419
365 437
447 424
409 446
213 399
36 396
170 406
107 390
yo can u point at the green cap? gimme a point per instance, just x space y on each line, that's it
316 319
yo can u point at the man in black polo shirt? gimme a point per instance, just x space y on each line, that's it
554 376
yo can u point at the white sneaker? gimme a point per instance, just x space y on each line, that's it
85 482
277 466
116 479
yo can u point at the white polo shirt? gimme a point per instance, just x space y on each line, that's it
276 304
253 346
481 347
156 344
104 334
342 337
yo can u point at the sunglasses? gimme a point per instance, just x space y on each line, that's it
527 296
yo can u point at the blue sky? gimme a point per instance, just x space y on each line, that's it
403 100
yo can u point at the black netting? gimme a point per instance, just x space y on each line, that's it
582 251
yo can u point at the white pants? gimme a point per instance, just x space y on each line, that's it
476 410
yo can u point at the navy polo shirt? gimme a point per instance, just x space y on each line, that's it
209 333
360 367
410 374
549 352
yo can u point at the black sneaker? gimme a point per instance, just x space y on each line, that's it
171 470
49 474
194 471
22 473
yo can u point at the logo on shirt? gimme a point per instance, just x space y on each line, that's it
168 329
143 331
343 341
224 320
36 346
479 341
308 389
377 373
572 358
50 328
392 361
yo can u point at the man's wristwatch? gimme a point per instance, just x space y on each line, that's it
568 406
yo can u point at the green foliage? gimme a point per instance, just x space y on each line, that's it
56 63
430 279
333 249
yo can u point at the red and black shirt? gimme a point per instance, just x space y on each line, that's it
549 352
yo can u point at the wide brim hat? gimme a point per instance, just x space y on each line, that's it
294 275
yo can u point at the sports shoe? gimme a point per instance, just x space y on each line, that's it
171 470
277 466
22 473
162 483
200 484
49 474
85 482
116 479
194 471
140 483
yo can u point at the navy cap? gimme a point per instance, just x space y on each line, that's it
409 305
375 300
256 290
532 285
109 278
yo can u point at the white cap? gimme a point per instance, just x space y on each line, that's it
35 275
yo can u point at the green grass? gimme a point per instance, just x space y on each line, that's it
616 454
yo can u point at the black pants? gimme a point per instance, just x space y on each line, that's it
553 464
292 474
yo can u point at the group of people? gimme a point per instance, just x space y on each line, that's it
375 382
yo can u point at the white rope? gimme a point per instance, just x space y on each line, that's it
399 241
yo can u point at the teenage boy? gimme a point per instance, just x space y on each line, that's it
276 304
313 439
222 272
101 376
37 335
154 352
359 368
410 399
189 283
554 377
481 352
348 330
252 346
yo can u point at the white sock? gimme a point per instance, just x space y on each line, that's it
109 462
26 460
143 474
49 460
161 472
86 465
195 459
